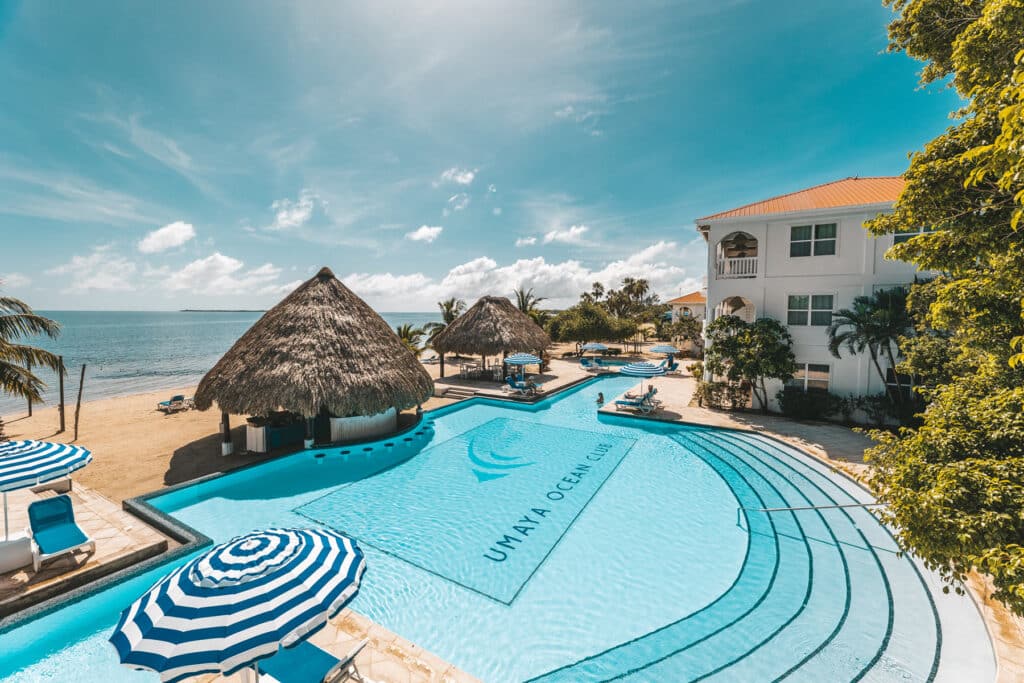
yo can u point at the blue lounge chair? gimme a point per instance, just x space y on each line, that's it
176 403
306 663
520 388
587 365
54 532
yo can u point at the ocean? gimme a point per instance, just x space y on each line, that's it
130 352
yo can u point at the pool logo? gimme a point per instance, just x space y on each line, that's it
493 466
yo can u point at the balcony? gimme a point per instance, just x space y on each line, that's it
732 268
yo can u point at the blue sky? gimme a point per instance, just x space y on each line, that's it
190 154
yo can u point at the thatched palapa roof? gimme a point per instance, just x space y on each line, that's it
321 346
493 325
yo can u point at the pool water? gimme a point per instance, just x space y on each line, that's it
548 543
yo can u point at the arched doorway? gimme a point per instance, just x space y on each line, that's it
736 256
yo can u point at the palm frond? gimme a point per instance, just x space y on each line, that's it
18 325
17 381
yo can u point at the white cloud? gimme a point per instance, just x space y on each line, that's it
561 283
290 215
496 211
171 235
12 280
425 233
492 188
101 269
526 241
572 235
459 176
218 274
457 202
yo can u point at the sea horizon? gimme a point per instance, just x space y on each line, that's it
132 352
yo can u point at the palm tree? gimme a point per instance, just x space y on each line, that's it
525 300
450 310
18 320
874 323
412 337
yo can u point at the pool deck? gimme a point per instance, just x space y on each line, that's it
561 374
121 541
387 658
843 449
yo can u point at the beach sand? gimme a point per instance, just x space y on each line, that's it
136 448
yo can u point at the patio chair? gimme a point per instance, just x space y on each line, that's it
176 403
54 532
306 663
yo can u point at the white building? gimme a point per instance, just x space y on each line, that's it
690 305
797 258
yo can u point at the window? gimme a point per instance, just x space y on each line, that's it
687 312
809 377
906 383
812 309
904 235
818 239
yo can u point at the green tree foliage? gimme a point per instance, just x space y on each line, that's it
450 310
684 329
528 303
17 322
412 337
751 353
588 322
875 324
954 486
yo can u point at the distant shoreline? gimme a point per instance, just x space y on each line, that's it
223 310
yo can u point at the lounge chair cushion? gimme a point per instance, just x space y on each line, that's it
52 521
304 662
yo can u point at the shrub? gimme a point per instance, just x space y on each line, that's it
724 395
809 405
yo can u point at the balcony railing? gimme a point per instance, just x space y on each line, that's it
729 268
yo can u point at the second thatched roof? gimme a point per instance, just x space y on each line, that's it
492 326
322 346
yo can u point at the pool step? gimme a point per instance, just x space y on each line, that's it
459 393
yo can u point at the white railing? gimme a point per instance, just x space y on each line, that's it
737 267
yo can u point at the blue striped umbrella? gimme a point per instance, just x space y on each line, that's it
665 348
30 463
643 369
522 359
239 602
594 346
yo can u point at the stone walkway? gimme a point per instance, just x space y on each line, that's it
121 540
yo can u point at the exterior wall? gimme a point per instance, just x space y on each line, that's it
858 267
696 311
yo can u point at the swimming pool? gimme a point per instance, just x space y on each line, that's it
547 543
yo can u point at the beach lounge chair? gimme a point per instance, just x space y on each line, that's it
587 365
176 403
306 663
518 388
54 532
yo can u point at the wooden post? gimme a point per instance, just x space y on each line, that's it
440 356
60 375
29 400
78 403
226 447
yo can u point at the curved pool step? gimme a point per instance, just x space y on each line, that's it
760 581
861 632
764 642
912 651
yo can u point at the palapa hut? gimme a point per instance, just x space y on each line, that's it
320 349
492 326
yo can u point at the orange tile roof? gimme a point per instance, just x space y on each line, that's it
845 192
691 298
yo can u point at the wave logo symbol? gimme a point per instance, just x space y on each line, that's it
491 466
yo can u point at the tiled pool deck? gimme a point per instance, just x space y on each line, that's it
121 541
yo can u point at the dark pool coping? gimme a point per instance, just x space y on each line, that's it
191 539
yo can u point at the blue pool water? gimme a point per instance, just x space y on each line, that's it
547 543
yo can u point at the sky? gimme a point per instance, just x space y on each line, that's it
215 155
